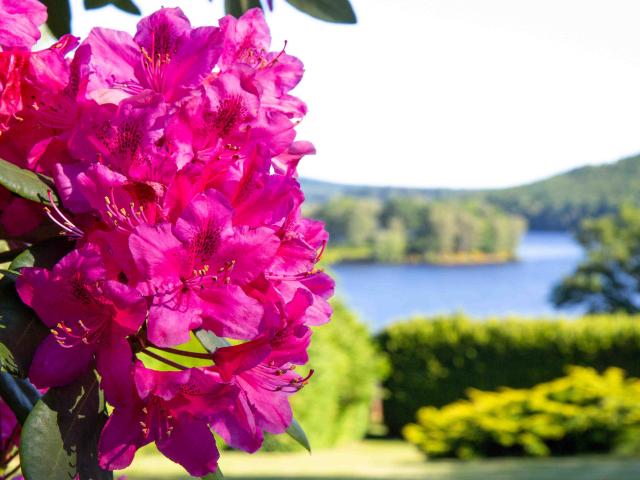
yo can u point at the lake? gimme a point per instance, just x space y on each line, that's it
382 293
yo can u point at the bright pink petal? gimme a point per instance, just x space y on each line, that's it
252 251
120 438
20 21
205 219
115 366
55 366
229 312
191 444
237 426
172 317
114 55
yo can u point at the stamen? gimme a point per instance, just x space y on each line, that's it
63 222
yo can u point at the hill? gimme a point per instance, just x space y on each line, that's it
556 203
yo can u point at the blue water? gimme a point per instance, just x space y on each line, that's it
384 293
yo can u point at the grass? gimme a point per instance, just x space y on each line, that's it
386 460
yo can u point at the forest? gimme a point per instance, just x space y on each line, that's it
416 229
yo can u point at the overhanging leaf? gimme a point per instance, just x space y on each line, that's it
334 11
124 5
296 432
25 183
60 437
210 340
238 7
21 331
59 19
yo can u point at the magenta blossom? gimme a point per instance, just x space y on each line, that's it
88 316
166 56
19 23
172 409
174 158
195 271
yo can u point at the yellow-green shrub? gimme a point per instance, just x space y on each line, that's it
434 361
582 412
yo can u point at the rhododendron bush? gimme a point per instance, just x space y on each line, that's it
167 160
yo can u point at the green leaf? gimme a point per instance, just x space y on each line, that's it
296 432
334 11
238 7
217 475
25 183
60 437
124 5
21 331
59 20
210 340
43 254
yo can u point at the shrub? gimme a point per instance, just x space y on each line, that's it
433 362
335 406
580 413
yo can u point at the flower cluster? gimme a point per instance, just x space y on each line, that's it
174 157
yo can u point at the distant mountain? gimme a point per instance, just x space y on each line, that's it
557 203
317 191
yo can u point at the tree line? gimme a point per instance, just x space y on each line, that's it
418 229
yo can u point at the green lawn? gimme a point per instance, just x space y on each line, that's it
377 460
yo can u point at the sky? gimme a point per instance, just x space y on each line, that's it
453 93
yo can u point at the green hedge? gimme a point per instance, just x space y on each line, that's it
433 362
584 412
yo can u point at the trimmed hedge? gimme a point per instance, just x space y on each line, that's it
433 362
584 412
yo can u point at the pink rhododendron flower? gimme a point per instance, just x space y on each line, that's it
88 316
174 156
19 23
172 409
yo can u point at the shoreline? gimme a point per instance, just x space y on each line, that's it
448 260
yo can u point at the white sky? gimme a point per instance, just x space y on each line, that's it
454 93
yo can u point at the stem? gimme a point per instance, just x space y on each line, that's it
163 360
13 470
15 397
203 356
7 460
29 390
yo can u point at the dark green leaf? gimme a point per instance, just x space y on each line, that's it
127 6
25 183
43 254
16 396
60 436
59 20
210 340
21 331
92 4
217 475
335 11
238 7
9 255
124 5
296 432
